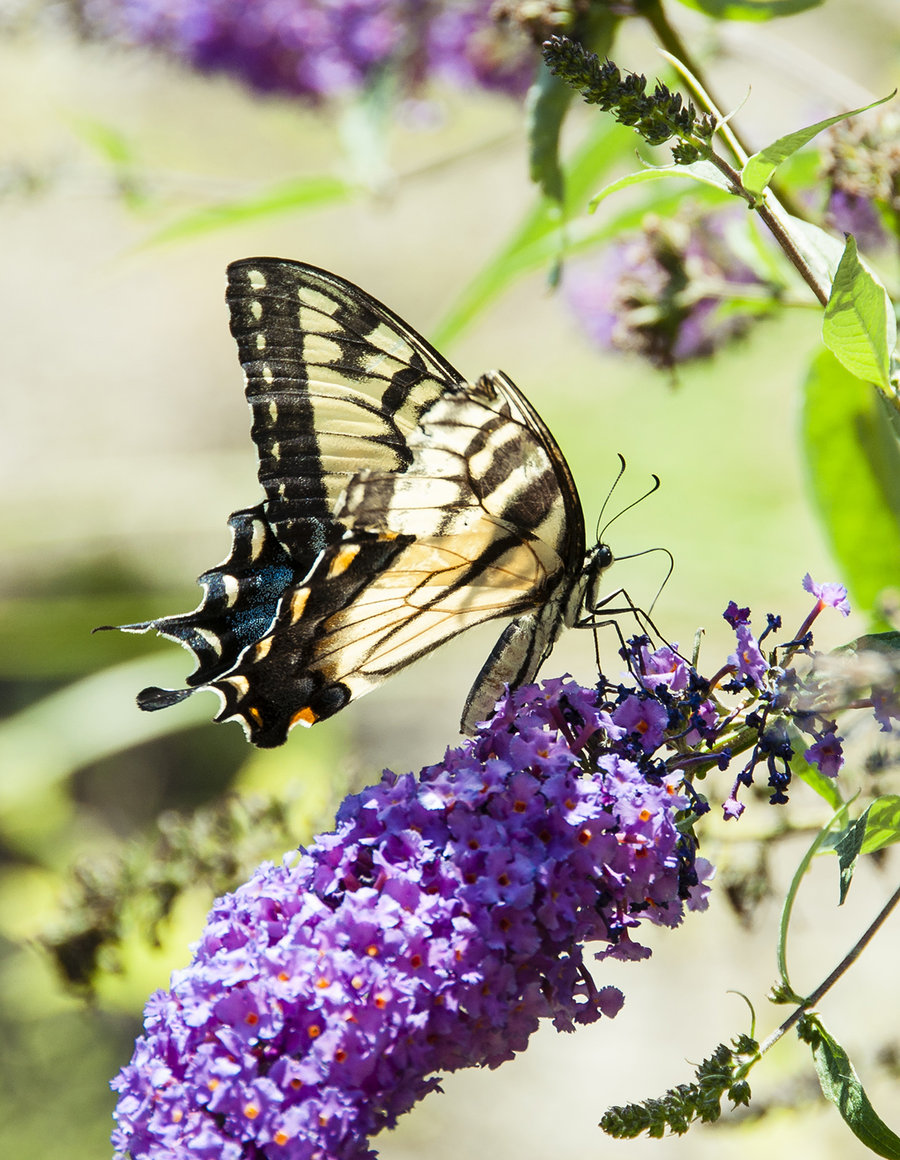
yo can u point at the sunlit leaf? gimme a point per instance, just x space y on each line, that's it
750 9
758 170
860 327
548 100
853 459
702 171
286 197
841 1085
821 252
540 232
847 844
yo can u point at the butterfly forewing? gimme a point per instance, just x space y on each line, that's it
403 505
335 383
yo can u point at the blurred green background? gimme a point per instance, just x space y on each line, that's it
125 447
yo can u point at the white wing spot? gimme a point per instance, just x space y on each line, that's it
257 279
256 309
258 539
260 342
240 684
273 410
232 588
267 373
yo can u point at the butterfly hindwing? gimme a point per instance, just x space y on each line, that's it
403 505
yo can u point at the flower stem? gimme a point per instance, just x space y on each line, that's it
846 962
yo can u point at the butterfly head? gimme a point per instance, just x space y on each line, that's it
598 559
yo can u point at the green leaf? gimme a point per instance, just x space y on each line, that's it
847 844
702 171
840 1084
880 642
853 461
821 252
84 722
286 197
750 9
883 825
548 101
758 169
825 787
539 236
860 326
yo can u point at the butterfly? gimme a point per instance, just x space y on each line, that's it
403 505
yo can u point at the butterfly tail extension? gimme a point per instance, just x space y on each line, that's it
239 605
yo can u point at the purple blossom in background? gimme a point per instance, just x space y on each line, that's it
666 293
321 48
861 176
851 213
431 931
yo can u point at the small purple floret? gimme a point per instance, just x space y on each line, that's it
827 753
829 595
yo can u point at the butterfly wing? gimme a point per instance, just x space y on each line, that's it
402 506
476 527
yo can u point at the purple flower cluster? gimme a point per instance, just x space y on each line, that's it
668 293
434 927
319 48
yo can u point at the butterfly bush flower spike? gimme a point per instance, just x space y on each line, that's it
432 930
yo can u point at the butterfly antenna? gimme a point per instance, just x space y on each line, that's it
613 486
647 552
601 531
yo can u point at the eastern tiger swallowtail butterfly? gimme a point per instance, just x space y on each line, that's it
403 505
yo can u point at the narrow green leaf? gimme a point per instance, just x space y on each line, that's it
539 234
86 721
110 142
853 461
840 1084
860 327
847 844
758 169
305 193
548 101
702 171
750 9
